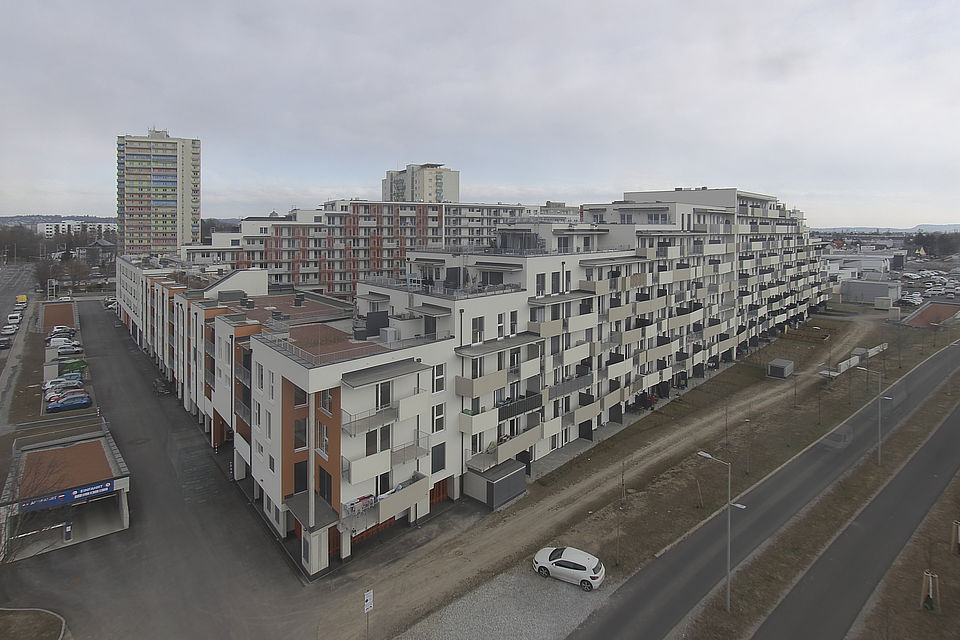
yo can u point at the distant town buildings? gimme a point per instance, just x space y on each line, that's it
421 183
158 193
73 227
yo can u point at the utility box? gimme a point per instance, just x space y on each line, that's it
893 314
882 303
780 368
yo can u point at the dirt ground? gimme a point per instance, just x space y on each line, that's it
740 410
29 624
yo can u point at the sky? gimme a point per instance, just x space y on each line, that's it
846 110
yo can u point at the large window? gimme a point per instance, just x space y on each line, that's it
299 396
326 401
299 433
438 458
438 378
383 395
438 418
378 440
259 376
323 440
476 334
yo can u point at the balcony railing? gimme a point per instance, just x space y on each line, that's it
359 423
209 348
243 374
243 411
523 405
416 448
569 386
282 344
210 377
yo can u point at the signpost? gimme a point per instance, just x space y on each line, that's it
367 607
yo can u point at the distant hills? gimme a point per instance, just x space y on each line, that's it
926 228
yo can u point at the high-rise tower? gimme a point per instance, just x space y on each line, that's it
158 193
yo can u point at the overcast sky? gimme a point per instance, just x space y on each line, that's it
847 110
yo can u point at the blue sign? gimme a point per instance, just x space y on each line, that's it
66 497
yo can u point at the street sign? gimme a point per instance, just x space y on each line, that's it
368 601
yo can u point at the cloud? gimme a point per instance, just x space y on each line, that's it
839 107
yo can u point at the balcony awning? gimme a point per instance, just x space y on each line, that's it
323 516
374 297
615 260
493 346
383 372
496 266
430 310
429 261
559 297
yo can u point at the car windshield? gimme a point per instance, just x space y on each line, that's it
597 569
556 553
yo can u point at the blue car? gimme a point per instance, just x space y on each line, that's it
68 404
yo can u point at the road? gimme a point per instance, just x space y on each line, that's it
839 583
656 599
14 280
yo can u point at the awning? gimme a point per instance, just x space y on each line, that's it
493 266
430 310
383 372
559 297
430 261
615 260
323 516
500 344
374 297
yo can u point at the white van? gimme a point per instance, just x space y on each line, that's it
14 318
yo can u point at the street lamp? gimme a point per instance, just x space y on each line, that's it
706 455
880 400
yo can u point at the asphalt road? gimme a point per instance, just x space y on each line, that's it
651 603
839 583
195 562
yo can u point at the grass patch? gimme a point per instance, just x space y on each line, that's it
29 624
27 395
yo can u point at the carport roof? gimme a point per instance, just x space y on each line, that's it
324 515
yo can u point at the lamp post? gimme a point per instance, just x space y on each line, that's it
706 455
880 399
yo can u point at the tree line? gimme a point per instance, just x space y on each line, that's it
933 244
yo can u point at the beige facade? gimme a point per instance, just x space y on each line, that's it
421 183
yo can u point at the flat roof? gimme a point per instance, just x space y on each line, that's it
284 303
323 339
493 346
324 515
383 372
431 310
588 262
494 266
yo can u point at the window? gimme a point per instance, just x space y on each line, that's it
500 318
541 284
256 414
259 448
476 368
438 418
276 513
378 440
269 424
259 376
438 458
299 396
299 433
438 378
476 443
383 395
271 384
323 440
513 322
272 464
326 401
476 334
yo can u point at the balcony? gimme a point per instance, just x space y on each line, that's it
546 329
476 387
356 424
512 409
243 374
242 411
404 496
416 448
209 348
210 378
510 447
366 467
569 386
474 423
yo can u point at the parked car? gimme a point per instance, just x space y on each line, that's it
72 393
61 334
111 307
69 404
20 306
570 565
109 300
5 343
8 330
70 350
64 299
61 388
49 384
61 327
62 342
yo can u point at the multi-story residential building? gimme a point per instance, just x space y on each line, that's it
453 378
421 183
331 249
96 229
158 193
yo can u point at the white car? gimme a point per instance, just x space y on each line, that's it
64 299
8 330
570 565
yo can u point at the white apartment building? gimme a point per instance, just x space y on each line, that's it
96 229
452 378
421 183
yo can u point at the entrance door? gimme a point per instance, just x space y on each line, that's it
586 430
616 413
526 458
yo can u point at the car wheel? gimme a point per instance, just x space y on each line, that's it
544 572
586 585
